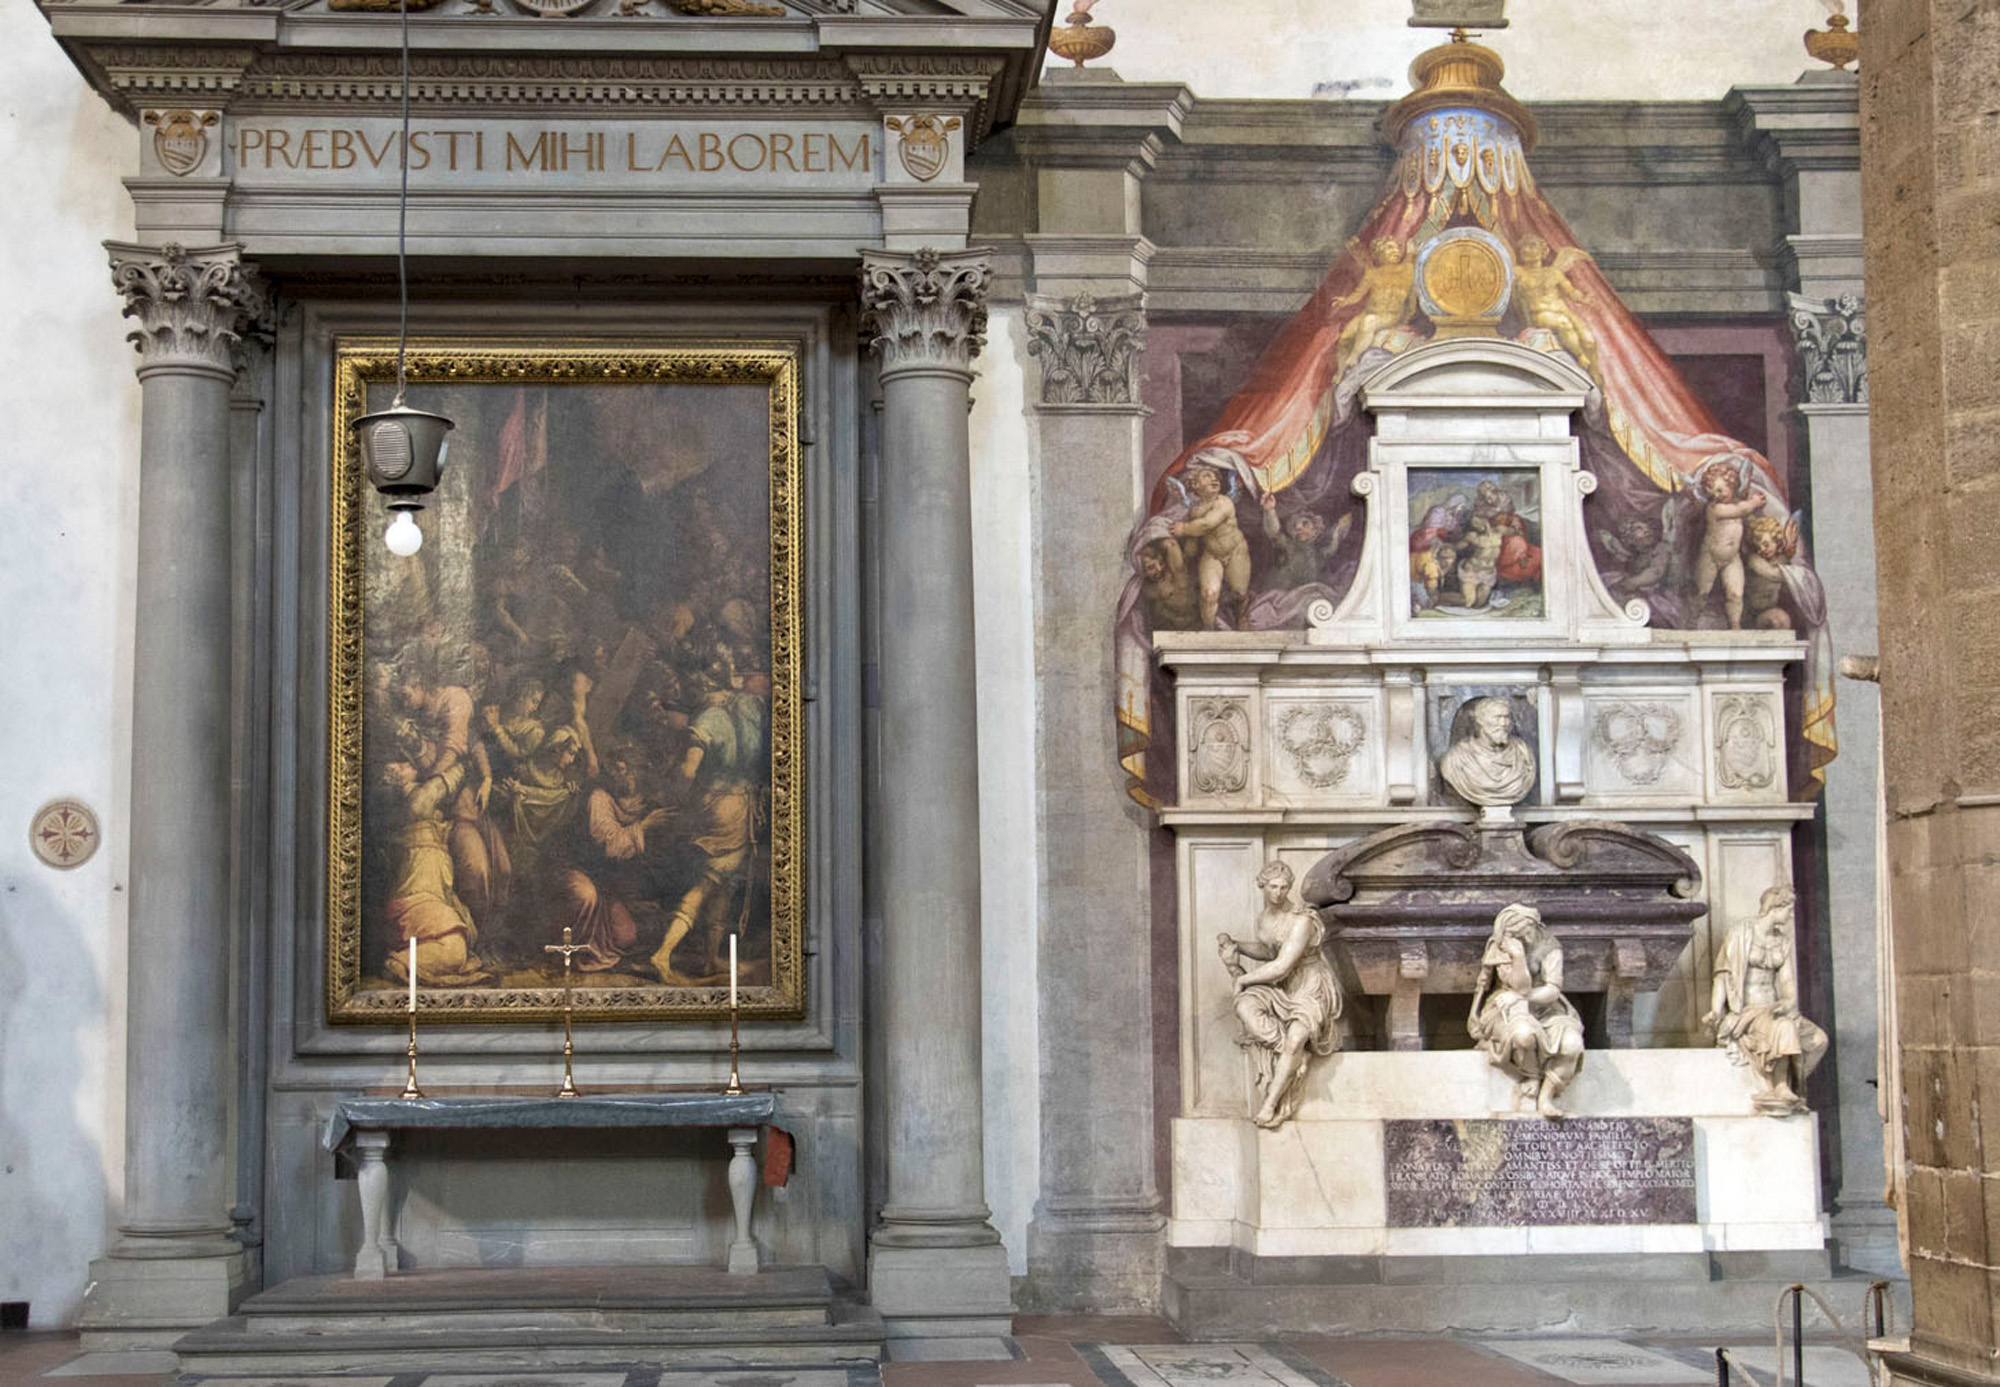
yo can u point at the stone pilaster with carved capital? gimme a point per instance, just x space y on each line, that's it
936 1267
173 1265
1089 347
1831 334
192 305
1832 338
925 311
1096 1240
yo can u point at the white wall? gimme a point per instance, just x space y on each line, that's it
1556 50
68 510
1004 614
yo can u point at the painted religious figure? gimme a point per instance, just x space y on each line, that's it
1287 997
1475 543
1754 1006
1520 1017
563 711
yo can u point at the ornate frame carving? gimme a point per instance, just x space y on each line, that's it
359 363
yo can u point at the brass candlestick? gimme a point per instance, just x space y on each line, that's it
735 1083
410 1089
567 950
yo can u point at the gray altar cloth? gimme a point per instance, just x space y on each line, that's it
554 1114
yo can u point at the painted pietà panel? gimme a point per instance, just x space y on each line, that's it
578 705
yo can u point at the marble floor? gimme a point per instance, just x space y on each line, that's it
1112 1352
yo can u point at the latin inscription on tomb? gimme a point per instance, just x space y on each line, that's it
1580 1170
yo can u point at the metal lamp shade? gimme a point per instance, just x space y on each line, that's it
403 451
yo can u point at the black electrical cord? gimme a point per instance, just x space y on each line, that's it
402 216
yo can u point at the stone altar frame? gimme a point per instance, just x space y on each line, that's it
360 363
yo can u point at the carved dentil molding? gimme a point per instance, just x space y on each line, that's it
925 309
1089 347
192 306
1832 337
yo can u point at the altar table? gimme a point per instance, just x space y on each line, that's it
365 1125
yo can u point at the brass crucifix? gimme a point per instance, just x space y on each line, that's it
568 951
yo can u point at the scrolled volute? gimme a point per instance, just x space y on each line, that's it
926 309
192 306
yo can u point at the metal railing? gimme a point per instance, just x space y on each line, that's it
1876 1305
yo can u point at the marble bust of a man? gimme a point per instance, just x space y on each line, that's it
1489 765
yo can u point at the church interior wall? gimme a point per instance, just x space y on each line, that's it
1245 209
68 502
1006 468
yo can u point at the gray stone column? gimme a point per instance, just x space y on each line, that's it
1832 343
172 1265
1096 1241
936 1268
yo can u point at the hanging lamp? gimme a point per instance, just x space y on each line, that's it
403 449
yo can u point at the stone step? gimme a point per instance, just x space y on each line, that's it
551 1299
481 1321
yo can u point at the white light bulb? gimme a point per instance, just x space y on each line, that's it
404 538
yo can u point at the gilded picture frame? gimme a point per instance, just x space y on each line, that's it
580 703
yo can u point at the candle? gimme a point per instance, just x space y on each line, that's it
732 970
413 977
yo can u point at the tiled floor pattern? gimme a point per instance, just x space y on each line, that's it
1105 1352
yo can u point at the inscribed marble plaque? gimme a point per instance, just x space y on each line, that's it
1582 1170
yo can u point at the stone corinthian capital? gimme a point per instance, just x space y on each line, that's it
925 309
192 306
1089 347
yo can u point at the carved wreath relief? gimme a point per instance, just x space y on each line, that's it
1319 742
1218 746
1640 739
1746 743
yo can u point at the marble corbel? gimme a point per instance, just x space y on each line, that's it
1408 736
1628 973
1572 733
1406 998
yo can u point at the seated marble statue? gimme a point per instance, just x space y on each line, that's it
1754 1007
1529 1030
1488 764
1289 1001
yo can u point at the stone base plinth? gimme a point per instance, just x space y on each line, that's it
1318 1186
1105 1261
136 1303
1217 1295
959 1298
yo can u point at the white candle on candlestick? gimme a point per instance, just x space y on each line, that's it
732 971
413 977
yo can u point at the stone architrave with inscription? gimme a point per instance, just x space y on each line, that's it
1497 1173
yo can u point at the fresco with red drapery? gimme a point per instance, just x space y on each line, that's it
1254 521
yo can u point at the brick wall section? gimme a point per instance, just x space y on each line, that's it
1930 130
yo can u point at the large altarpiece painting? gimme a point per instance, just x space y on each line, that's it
578 705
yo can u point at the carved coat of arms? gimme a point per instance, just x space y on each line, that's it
180 138
926 144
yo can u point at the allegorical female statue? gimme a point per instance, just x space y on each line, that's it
1288 1002
1488 764
1519 1014
1754 1007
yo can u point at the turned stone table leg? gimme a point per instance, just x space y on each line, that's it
377 1257
742 1191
